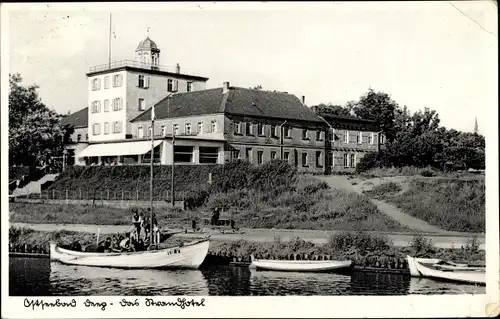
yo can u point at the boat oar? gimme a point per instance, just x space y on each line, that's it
97 237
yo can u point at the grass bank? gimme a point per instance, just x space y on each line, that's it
272 195
452 204
417 171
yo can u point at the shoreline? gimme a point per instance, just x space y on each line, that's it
400 239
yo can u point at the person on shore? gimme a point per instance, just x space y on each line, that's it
156 230
193 225
137 221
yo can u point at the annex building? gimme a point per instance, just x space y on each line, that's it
194 125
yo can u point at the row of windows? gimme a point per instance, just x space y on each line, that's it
117 81
117 105
142 82
249 129
117 128
359 138
274 155
188 129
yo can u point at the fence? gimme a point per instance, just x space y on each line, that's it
106 194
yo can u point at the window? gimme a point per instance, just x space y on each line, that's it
346 137
353 160
248 154
274 131
106 82
286 156
163 130
249 128
96 84
79 137
260 155
382 138
261 129
106 105
359 137
273 155
117 127
183 154
237 128
214 126
318 159
304 134
170 85
200 127
304 159
176 129
106 128
117 80
346 160
318 136
150 131
142 104
236 154
87 136
287 131
96 129
117 104
370 138
141 81
140 132
189 86
96 106
188 128
209 155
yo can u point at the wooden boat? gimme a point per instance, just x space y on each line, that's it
299 265
189 256
453 272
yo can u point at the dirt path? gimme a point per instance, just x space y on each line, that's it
454 240
341 182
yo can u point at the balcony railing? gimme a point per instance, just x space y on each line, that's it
138 64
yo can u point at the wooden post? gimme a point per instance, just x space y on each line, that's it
122 195
80 193
137 194
66 195
108 193
53 193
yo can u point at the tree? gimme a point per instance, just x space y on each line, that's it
34 129
379 107
257 87
333 110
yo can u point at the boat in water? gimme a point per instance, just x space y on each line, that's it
299 265
438 269
189 256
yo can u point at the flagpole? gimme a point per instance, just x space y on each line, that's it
151 174
109 42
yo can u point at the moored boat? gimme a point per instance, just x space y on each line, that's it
299 265
452 272
189 256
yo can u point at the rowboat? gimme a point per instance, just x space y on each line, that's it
189 256
452 272
299 265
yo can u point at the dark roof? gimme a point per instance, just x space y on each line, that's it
77 119
238 101
147 44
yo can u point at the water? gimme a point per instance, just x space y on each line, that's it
40 277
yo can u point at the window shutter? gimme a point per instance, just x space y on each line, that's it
146 81
176 85
120 103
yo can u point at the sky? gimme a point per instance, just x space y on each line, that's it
441 55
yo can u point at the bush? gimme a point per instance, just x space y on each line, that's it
367 162
421 246
360 242
383 189
427 173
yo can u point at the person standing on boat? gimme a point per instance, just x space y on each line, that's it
137 221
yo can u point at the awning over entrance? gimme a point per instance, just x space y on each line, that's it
118 149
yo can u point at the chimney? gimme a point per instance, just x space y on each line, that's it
225 87
177 68
303 100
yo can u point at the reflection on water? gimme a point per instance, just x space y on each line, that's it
67 279
40 277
